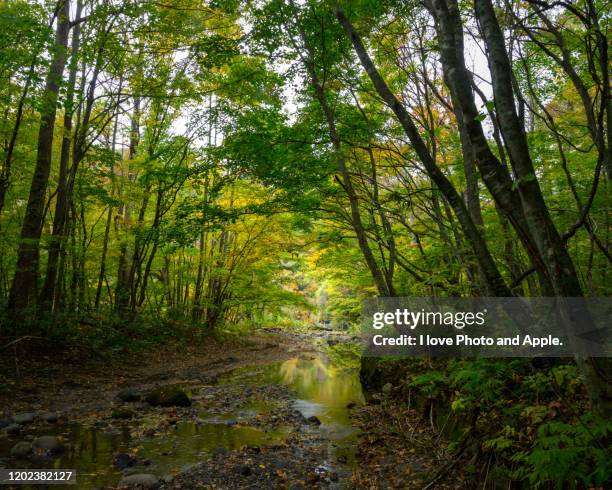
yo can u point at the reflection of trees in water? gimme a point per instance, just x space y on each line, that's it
317 381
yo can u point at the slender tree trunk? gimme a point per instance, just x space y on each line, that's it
102 273
122 292
491 275
495 176
61 209
356 221
24 287
560 267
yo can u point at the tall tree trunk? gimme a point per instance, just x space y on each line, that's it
122 291
497 179
61 209
491 275
24 287
560 267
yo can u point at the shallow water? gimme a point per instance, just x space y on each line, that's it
323 389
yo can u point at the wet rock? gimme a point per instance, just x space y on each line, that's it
123 413
314 420
48 445
12 429
168 396
129 395
21 450
50 417
24 418
140 480
123 461
218 451
245 470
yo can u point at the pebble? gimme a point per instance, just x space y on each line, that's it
50 417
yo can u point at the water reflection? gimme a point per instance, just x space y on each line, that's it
323 388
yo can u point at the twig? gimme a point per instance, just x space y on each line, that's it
16 341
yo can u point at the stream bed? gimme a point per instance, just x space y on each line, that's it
301 402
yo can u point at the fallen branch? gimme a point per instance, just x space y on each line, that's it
16 341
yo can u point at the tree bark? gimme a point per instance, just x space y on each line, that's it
356 221
24 287
61 210
491 275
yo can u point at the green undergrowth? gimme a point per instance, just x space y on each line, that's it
527 423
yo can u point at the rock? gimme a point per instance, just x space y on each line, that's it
129 395
12 429
386 389
140 480
48 445
29 438
24 418
314 420
167 479
123 413
21 450
218 451
50 417
168 396
123 461
4 423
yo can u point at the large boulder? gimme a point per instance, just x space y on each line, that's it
139 480
48 446
168 396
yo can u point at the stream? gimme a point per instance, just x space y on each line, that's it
304 398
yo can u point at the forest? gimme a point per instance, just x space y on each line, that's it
188 178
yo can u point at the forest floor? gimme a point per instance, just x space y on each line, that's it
275 446
75 381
